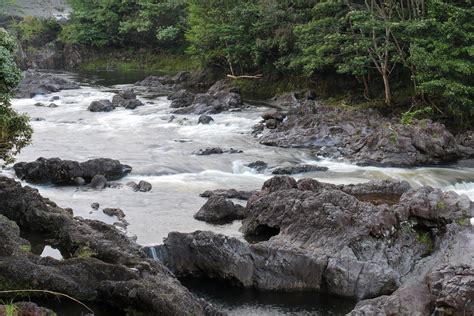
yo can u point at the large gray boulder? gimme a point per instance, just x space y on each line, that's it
39 83
218 210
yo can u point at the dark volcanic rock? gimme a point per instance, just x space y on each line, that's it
98 182
114 212
131 102
142 186
222 96
100 264
366 138
229 194
38 83
298 169
64 172
258 165
218 210
316 236
101 106
127 94
181 99
205 119
216 151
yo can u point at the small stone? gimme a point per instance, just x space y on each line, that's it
99 182
205 119
95 206
79 181
133 186
144 186
114 212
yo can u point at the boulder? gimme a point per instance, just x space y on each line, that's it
298 169
216 151
142 186
229 194
258 165
65 172
101 106
365 137
98 182
131 104
205 119
181 99
100 264
127 94
308 235
219 210
114 212
39 83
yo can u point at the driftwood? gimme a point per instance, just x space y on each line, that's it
259 76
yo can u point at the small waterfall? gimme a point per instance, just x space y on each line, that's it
157 253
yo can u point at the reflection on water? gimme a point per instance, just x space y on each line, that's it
240 301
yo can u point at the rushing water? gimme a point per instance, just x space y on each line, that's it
161 152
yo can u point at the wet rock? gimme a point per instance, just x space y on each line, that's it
114 212
258 165
55 98
131 104
101 106
273 115
127 94
66 172
205 119
365 137
313 235
222 96
181 99
101 265
144 186
95 206
38 83
229 194
219 210
79 181
99 182
271 124
298 169
209 151
216 151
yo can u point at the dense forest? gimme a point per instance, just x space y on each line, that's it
413 55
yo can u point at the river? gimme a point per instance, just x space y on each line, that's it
161 152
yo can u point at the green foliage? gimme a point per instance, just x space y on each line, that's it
25 248
84 252
125 22
30 27
15 132
408 116
9 308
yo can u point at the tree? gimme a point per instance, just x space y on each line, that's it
443 55
15 132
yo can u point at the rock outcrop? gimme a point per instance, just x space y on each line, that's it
39 83
342 240
365 137
222 96
68 172
99 264
297 169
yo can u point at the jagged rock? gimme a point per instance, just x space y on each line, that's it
101 106
218 210
95 206
114 212
205 119
181 99
273 115
297 169
66 172
100 264
216 151
38 83
131 104
222 96
258 165
229 194
127 94
366 138
98 182
313 235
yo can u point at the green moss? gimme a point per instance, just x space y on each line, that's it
84 252
25 248
440 205
463 221
393 138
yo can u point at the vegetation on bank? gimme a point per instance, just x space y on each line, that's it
409 54
15 132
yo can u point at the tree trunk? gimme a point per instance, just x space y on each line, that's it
386 83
